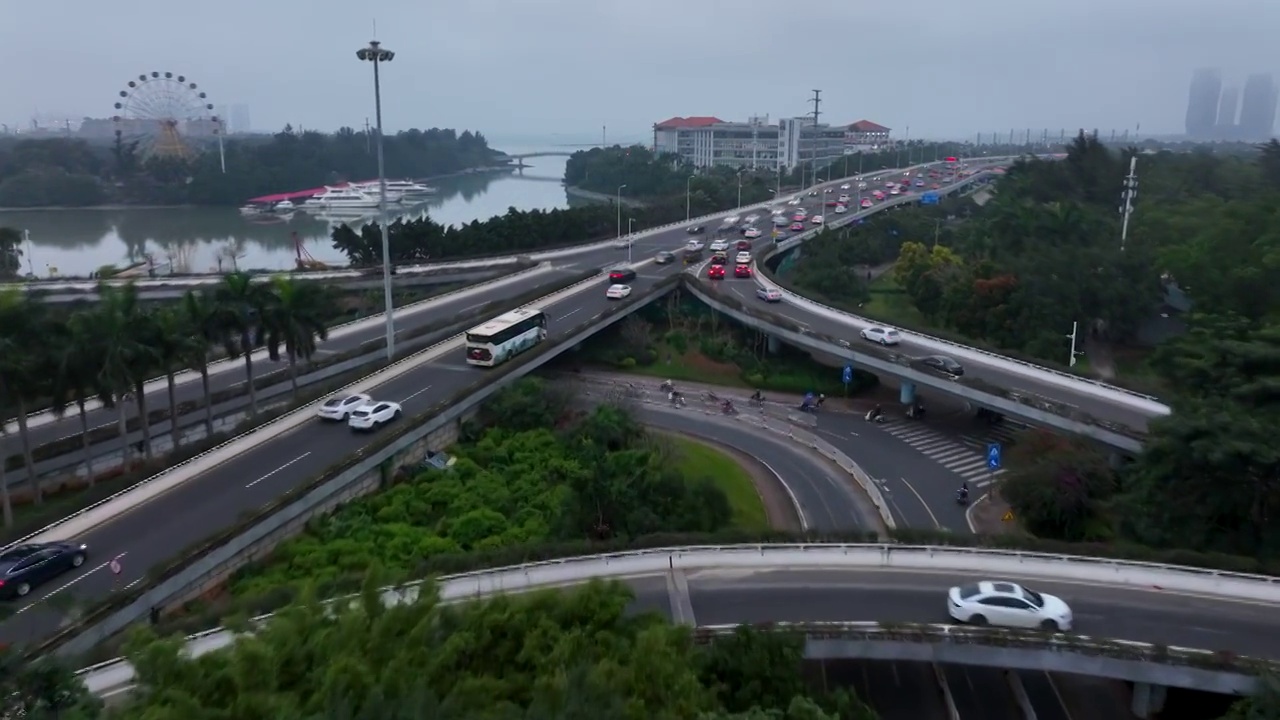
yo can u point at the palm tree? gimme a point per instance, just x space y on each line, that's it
22 377
124 357
240 306
75 374
200 317
296 319
172 342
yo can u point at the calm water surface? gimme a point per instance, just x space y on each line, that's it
77 242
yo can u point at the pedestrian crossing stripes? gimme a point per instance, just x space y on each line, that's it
966 456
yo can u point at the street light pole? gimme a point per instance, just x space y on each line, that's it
1130 192
619 202
688 184
630 240
1074 353
377 55
739 188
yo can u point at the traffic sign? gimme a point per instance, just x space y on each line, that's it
847 376
993 456
929 198
1008 516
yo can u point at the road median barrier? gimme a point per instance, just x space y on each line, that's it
208 562
370 349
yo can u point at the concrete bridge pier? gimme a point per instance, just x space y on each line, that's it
907 393
1148 699
773 345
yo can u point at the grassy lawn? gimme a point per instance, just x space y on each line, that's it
890 304
694 459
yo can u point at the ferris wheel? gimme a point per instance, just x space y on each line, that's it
166 114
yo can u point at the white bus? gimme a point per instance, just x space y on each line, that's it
505 336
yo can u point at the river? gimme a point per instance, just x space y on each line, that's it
74 243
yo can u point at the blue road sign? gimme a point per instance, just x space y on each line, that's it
929 198
993 456
847 376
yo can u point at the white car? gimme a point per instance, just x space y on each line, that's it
1006 604
751 233
720 246
731 220
768 295
694 246
373 414
743 258
840 209
843 198
844 186
780 221
895 191
750 219
884 336
617 292
862 186
816 219
793 201
339 407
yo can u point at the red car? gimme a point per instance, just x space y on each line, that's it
742 271
797 226
744 245
715 272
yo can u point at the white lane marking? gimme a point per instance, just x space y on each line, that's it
282 467
937 525
59 589
567 314
416 394
795 501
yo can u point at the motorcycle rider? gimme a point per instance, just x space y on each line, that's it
962 495
757 397
727 407
875 413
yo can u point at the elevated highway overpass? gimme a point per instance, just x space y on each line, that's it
143 524
1157 626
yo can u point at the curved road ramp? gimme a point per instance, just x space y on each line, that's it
1152 586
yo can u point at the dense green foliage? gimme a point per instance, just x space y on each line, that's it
107 351
42 690
683 339
572 655
1206 480
543 472
664 177
66 172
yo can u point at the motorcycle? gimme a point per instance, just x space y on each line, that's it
962 497
875 415
676 399
728 409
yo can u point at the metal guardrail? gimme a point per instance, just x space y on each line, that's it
843 315
1150 577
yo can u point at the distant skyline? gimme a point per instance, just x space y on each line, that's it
538 68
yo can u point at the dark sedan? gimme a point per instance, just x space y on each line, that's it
941 364
23 567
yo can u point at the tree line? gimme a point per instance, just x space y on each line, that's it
73 172
534 470
108 351
551 655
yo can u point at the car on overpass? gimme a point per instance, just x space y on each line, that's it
664 258
373 415
340 406
696 230
715 272
882 335
1007 604
23 567
769 295
940 365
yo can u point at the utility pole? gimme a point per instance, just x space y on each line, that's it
1074 353
817 105
1126 200
604 136
368 138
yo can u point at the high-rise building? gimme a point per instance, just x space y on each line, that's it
1228 105
1202 103
1258 108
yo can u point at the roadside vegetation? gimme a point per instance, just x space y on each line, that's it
535 469
682 339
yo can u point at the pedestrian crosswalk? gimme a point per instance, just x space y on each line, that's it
964 455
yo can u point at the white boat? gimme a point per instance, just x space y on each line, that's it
343 197
252 210
406 190
285 206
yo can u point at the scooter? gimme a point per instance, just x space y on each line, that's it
875 415
962 497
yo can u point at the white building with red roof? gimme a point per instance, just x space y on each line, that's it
707 141
866 135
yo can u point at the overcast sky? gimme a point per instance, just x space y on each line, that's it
541 67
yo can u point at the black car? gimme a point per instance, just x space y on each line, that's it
664 258
23 567
941 364
696 230
622 275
